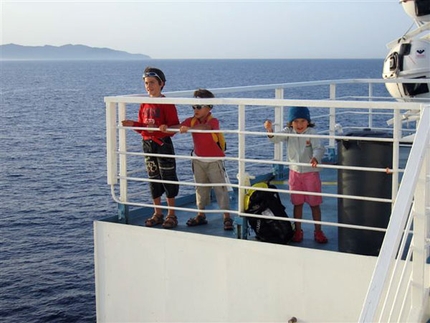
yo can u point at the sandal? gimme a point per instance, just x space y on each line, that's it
228 224
156 219
170 222
298 236
320 237
198 220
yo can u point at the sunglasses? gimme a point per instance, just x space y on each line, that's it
199 107
152 74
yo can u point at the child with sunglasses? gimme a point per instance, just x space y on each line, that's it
207 170
302 149
157 142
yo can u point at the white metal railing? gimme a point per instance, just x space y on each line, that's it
394 279
329 111
122 101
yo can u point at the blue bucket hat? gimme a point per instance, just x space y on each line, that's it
298 113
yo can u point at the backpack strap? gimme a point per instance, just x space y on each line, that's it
217 137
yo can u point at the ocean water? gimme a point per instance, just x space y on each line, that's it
53 165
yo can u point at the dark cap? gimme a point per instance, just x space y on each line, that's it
298 113
154 72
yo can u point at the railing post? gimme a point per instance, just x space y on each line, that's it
122 141
111 143
397 133
370 119
278 169
331 149
242 230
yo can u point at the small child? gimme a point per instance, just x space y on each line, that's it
302 178
207 170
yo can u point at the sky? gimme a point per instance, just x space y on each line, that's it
211 29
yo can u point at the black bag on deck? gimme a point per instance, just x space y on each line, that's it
268 203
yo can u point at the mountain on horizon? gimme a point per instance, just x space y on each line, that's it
65 52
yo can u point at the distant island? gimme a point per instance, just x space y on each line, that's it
65 52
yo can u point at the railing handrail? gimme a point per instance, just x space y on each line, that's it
249 88
268 102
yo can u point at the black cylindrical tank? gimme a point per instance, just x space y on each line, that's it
364 183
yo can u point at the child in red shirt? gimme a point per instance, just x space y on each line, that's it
158 142
207 170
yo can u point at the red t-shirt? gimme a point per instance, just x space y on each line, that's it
204 144
158 114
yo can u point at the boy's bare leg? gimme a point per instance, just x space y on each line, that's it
171 202
157 201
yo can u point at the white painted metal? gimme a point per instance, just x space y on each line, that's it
397 136
279 115
415 65
409 57
410 8
242 176
370 119
147 275
122 139
396 226
421 211
111 142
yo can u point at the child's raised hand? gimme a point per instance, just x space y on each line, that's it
268 125
314 162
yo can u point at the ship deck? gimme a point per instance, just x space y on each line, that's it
137 216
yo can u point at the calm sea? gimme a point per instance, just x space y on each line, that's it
53 165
